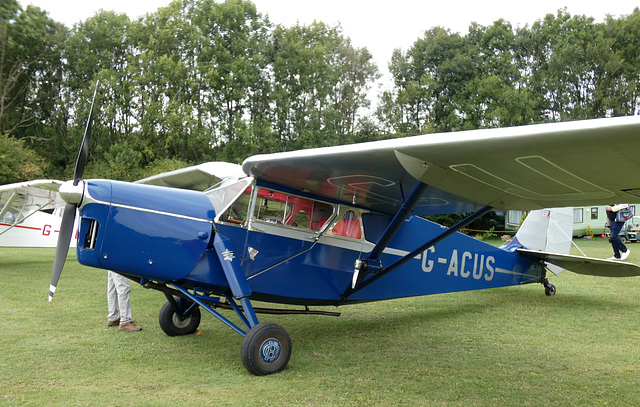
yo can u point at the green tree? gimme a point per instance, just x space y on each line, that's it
29 64
427 78
234 39
30 72
170 85
562 68
571 66
621 92
17 162
497 95
319 87
100 48
206 80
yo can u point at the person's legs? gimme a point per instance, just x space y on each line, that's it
123 288
112 300
616 243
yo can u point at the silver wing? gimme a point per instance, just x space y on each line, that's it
590 162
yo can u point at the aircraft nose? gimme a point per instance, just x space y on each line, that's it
72 193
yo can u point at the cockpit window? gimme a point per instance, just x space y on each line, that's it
10 217
232 202
348 226
291 210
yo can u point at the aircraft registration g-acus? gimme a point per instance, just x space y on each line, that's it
342 225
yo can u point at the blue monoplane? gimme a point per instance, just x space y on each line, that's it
343 225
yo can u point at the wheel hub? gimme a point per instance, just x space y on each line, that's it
180 322
270 350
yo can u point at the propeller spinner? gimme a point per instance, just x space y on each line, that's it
72 194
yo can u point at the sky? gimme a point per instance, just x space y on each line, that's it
379 26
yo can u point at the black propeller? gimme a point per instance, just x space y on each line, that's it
69 214
83 153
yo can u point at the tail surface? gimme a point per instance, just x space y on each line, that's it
546 234
545 230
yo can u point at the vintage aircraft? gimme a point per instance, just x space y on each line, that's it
30 214
341 225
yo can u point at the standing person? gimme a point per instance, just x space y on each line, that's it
118 292
620 251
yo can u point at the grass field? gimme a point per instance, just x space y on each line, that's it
501 347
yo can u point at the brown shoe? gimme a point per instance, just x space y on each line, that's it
130 327
113 323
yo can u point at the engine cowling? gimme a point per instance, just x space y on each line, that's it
153 232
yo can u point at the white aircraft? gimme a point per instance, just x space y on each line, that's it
30 214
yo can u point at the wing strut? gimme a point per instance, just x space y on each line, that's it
363 266
20 220
397 221
372 263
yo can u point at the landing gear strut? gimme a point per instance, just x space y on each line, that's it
266 347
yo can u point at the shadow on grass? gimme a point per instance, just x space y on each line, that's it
421 309
499 310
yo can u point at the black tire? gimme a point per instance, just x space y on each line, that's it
550 290
266 349
623 239
173 325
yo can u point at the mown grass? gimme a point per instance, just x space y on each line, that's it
501 347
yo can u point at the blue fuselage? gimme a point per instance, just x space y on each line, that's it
304 255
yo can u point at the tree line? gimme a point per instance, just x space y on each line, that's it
200 80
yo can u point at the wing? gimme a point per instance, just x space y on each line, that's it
590 162
42 194
198 177
21 200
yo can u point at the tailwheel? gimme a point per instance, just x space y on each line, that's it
266 349
184 322
549 289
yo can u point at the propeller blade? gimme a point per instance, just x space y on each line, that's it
83 153
73 198
62 248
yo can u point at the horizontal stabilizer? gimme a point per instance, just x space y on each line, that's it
586 265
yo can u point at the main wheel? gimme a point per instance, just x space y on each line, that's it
266 349
173 324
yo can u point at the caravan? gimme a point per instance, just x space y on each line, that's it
583 217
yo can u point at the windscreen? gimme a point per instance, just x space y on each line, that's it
226 192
